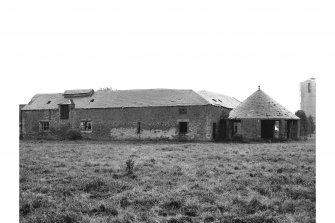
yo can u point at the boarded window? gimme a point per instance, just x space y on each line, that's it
182 127
44 126
64 111
138 127
86 125
182 111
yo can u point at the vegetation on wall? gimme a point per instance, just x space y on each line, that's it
311 125
304 123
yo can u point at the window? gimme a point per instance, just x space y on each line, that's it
237 127
86 125
44 126
92 100
309 87
48 102
182 127
64 111
138 127
182 111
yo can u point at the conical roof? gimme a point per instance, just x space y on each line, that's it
261 106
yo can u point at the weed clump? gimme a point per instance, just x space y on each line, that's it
95 185
130 163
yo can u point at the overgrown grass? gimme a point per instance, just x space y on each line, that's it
166 182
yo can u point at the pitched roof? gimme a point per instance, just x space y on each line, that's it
120 98
219 99
260 105
129 98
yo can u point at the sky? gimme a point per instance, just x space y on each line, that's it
229 47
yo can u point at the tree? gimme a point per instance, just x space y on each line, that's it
304 123
105 89
311 125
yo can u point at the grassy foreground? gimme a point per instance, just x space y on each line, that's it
171 182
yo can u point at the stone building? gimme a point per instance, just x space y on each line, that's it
20 119
308 97
128 114
259 117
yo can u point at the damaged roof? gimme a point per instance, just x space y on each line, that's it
219 99
261 106
123 98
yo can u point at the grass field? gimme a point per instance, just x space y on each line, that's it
89 181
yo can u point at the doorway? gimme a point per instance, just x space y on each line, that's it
267 129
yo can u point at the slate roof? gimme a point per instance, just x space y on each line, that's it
122 98
219 99
261 106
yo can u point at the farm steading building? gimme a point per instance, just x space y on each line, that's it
151 114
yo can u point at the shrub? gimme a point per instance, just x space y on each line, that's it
311 125
73 135
304 123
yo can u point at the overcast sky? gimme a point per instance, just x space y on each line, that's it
229 47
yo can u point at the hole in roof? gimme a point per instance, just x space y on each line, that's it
213 99
92 100
48 102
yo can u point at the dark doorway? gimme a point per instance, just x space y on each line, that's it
182 127
222 130
214 131
267 129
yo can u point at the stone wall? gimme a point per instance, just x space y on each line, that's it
122 123
251 129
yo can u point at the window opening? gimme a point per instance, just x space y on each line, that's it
237 128
309 87
44 126
182 111
48 102
138 127
214 99
92 100
182 127
86 125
